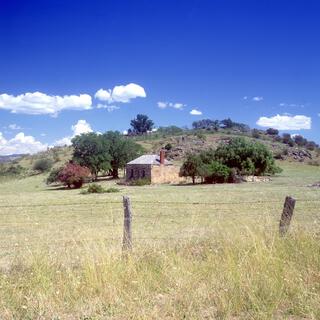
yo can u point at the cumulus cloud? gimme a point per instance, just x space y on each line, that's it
20 144
37 103
195 112
123 93
103 95
82 126
286 122
257 99
176 105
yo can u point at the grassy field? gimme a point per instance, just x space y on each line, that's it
200 252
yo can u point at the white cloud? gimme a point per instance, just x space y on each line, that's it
285 122
176 105
195 112
257 99
121 93
103 95
82 126
37 103
245 98
108 107
162 105
14 127
20 144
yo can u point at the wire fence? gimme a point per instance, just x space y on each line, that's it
75 224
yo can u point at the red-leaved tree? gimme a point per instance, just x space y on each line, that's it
73 175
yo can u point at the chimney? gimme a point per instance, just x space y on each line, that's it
162 157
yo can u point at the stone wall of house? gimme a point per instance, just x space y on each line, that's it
138 171
165 174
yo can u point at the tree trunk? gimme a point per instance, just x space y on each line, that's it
193 180
115 173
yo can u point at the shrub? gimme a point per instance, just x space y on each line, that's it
272 132
286 138
74 175
112 190
12 170
95 188
53 176
247 157
42 165
215 172
168 146
140 182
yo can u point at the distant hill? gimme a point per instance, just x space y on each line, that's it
178 142
11 157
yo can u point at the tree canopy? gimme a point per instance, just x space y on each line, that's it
121 150
141 124
91 151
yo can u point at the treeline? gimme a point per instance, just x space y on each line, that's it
228 124
216 125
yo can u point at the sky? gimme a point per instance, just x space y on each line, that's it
68 67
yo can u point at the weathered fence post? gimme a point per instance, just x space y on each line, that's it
127 232
286 215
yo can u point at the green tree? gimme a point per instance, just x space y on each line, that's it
247 157
92 151
121 150
141 124
191 167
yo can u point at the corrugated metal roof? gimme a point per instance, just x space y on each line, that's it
149 159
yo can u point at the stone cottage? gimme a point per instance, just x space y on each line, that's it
153 167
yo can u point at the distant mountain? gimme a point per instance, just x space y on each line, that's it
10 157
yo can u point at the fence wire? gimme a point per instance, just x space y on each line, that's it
105 219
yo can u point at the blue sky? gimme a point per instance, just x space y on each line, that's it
254 61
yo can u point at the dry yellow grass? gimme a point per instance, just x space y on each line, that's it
204 252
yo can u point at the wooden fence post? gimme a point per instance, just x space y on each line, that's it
286 215
127 232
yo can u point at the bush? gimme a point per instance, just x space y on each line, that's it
54 176
112 190
140 182
215 172
95 188
42 165
168 146
247 157
74 175
272 132
286 138
12 170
